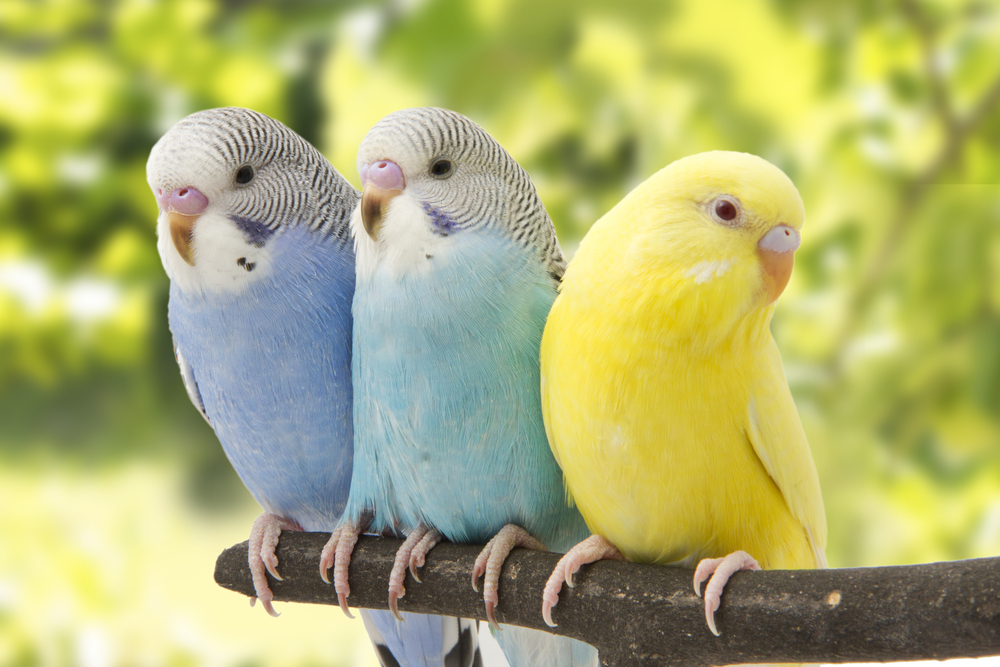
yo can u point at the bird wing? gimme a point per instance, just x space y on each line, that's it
190 383
776 433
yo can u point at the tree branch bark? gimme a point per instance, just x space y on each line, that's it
648 615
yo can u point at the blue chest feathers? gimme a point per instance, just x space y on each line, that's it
447 414
272 367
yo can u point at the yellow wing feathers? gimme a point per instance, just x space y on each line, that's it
780 442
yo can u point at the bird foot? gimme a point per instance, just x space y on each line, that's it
413 554
261 557
490 562
719 569
592 549
337 554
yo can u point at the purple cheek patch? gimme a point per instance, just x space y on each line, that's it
780 239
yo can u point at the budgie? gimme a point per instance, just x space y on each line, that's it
457 267
253 234
663 393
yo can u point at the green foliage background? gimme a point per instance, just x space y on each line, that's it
115 497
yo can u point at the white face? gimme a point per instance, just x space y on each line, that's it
224 261
406 242
229 182
220 257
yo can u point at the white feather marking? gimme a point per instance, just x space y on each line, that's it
218 247
406 242
704 271
615 439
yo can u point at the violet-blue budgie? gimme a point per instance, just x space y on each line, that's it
457 267
254 235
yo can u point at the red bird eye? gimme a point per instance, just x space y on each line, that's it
725 210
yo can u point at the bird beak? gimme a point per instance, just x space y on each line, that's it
776 250
382 180
183 207
374 202
181 232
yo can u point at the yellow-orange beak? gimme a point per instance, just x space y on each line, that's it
183 206
374 202
776 250
181 230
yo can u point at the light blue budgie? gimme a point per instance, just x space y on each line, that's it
457 267
253 233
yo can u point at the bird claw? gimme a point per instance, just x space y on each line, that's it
261 555
710 608
394 606
272 564
491 617
720 570
267 606
413 550
419 555
477 571
547 605
490 562
571 569
416 562
592 549
342 600
337 554
328 556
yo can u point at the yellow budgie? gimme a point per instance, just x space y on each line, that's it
663 393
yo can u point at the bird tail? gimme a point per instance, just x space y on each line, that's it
423 641
528 648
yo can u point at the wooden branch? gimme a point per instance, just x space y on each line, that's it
648 615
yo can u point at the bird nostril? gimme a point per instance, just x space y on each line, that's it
384 174
182 192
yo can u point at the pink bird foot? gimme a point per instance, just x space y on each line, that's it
490 562
337 554
413 554
720 569
260 554
592 549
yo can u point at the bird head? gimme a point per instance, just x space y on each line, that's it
226 181
721 228
431 176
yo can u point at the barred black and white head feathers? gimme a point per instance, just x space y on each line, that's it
431 173
226 182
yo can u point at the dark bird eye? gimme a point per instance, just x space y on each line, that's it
441 168
726 210
244 175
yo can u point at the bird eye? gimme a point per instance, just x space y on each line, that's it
726 210
441 168
244 175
